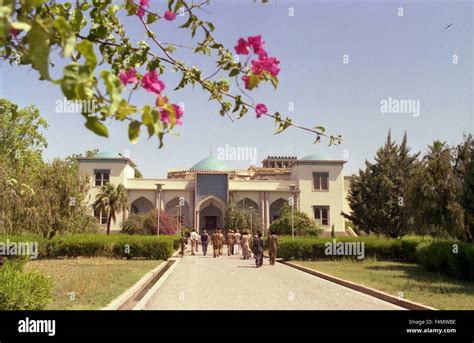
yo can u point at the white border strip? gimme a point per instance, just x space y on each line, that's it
147 297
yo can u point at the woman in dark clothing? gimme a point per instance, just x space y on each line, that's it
257 249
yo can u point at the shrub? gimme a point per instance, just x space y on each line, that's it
146 223
442 257
302 223
114 246
20 290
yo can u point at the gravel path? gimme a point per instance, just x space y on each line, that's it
208 283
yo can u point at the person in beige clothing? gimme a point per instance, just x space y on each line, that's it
272 247
245 243
221 240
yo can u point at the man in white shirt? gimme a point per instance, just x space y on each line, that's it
194 241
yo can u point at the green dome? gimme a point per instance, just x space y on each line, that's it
209 164
107 154
314 157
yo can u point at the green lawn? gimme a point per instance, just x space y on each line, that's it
94 281
414 281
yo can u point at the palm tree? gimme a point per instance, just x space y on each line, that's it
111 200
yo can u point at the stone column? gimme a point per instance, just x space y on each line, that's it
267 211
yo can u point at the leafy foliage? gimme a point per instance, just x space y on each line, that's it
111 200
95 48
147 223
303 225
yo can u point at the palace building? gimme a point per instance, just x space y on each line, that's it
317 184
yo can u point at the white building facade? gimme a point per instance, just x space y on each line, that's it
316 184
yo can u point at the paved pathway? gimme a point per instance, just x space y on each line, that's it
204 282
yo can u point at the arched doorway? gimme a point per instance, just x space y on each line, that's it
172 208
275 208
211 214
141 205
247 204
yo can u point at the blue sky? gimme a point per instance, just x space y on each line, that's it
408 57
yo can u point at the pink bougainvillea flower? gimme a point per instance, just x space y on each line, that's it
256 43
129 76
141 8
269 64
178 111
165 116
151 83
246 80
260 109
15 32
242 47
169 15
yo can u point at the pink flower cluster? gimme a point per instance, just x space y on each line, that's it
263 64
153 84
169 15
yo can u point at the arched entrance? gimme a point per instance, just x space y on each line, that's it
275 208
210 214
172 208
141 205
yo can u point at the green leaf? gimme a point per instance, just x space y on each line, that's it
114 89
39 40
87 50
21 26
320 128
97 127
68 38
253 82
134 131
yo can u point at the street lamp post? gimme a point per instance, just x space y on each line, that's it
292 200
180 204
158 189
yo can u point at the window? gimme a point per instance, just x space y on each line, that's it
101 217
321 215
102 177
320 181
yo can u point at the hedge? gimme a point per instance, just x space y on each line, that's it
93 245
307 248
20 290
451 258
434 255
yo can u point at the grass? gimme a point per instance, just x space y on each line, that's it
413 280
94 281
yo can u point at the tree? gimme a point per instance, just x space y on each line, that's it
30 31
467 199
464 155
378 195
111 200
302 224
236 218
434 190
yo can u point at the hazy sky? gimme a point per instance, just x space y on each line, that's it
406 57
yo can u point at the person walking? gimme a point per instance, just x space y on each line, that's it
272 247
221 241
183 241
245 242
237 242
230 243
258 246
194 242
215 240
204 241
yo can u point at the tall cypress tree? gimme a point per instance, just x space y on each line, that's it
377 196
467 199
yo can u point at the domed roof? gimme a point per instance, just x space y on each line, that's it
107 154
314 157
209 164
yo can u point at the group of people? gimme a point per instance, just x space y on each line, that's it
235 242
